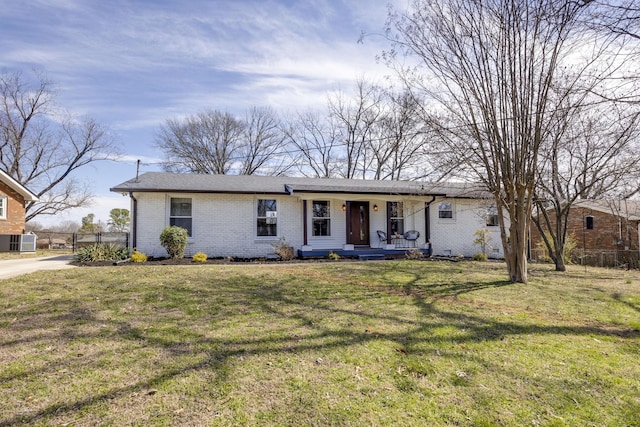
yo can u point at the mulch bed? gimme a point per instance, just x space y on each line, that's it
189 261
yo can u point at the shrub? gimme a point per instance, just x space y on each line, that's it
102 252
414 253
483 239
333 256
570 244
283 249
138 256
200 257
174 240
480 257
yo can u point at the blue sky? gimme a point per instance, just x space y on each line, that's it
133 64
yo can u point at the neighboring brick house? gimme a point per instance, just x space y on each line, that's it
243 216
599 225
13 199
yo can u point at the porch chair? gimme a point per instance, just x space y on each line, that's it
382 237
411 236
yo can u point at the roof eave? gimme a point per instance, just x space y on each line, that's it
19 188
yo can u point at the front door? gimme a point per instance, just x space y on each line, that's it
358 223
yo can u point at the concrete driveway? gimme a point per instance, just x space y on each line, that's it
17 267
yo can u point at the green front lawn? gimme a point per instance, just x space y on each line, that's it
346 343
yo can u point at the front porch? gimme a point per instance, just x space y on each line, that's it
364 252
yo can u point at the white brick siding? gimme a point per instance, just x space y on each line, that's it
225 224
455 236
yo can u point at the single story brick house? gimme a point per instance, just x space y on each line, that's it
600 225
13 199
243 216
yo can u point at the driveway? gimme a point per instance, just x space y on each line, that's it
17 267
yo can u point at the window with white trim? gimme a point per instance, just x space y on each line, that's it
321 218
445 210
396 217
492 217
267 218
180 214
3 207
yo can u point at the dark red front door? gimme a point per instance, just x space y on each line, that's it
358 223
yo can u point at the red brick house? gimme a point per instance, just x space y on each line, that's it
599 226
13 199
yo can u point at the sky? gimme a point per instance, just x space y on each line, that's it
133 64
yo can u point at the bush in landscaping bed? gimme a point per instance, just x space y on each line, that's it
174 240
480 257
102 252
200 257
138 256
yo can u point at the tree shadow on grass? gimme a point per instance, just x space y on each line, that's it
297 324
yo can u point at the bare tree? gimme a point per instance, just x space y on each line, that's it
215 142
317 142
376 134
206 143
594 153
620 17
264 147
489 67
355 120
41 146
400 148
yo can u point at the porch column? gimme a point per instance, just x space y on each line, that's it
304 222
388 222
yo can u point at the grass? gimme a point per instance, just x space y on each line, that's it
400 343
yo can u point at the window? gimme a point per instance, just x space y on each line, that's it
321 218
445 210
589 223
492 217
180 214
267 218
396 217
3 207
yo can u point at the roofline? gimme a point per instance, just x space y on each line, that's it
175 190
288 191
15 185
590 204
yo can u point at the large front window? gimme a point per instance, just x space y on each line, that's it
3 207
321 218
180 214
267 218
396 217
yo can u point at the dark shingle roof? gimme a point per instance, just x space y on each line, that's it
253 184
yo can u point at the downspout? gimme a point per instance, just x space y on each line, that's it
305 240
427 221
134 221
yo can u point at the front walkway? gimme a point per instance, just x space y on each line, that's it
19 266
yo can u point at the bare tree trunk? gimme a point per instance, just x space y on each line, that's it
494 72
